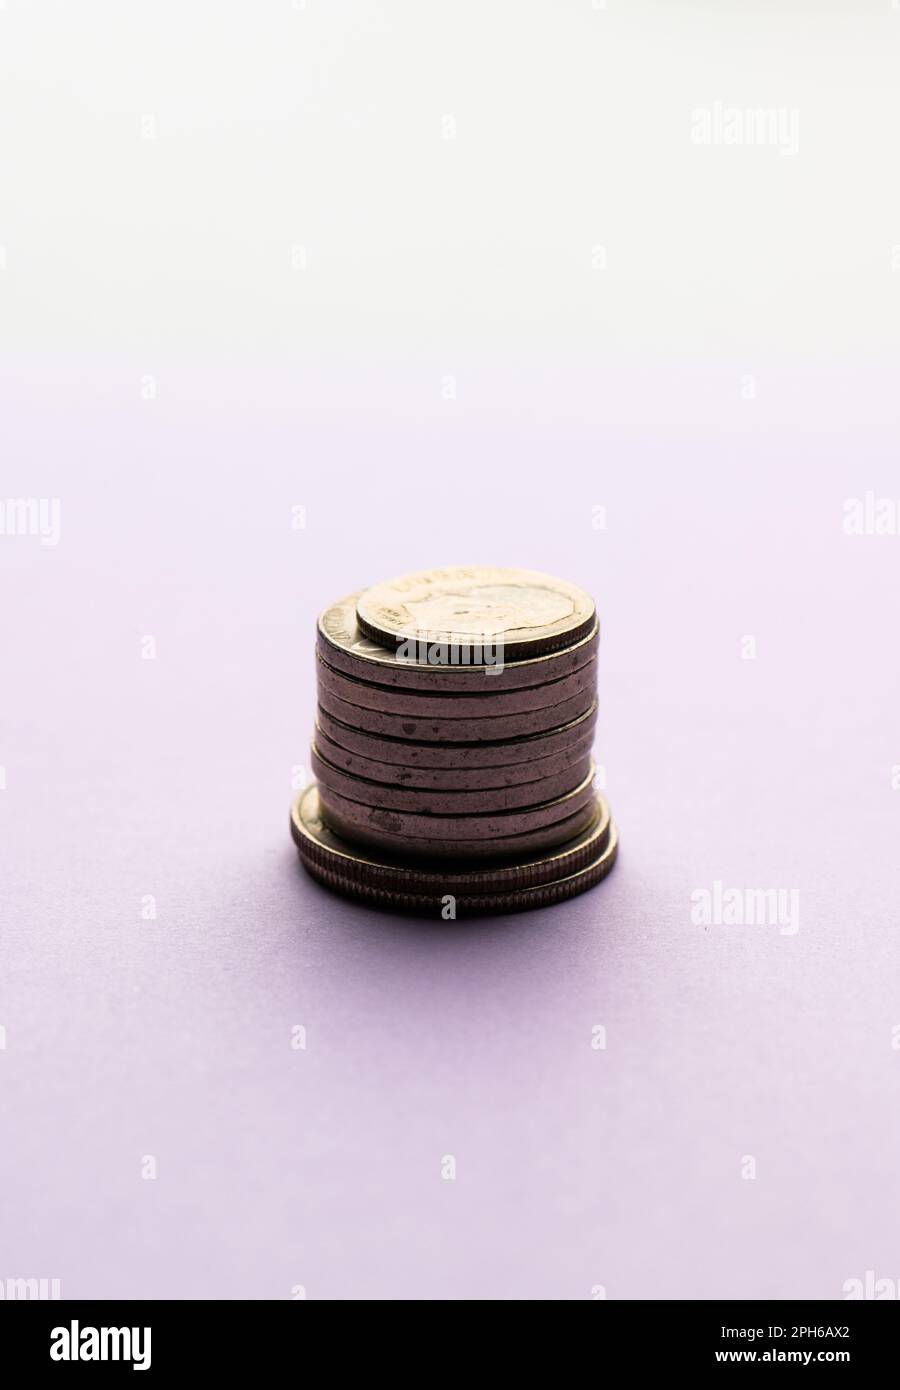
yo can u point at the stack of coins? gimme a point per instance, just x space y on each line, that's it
452 748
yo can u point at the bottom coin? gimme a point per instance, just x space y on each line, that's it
454 889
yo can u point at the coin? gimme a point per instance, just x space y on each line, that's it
406 753
485 778
439 892
473 606
345 648
321 849
432 729
493 834
369 695
430 802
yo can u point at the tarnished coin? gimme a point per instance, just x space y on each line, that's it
409 754
532 881
433 729
345 647
457 778
413 847
464 606
429 802
359 820
450 704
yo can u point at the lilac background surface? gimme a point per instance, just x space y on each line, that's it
172 1037
263 209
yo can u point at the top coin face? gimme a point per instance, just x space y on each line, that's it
519 612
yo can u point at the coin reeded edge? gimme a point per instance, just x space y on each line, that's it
534 895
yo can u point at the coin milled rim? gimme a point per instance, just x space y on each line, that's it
506 899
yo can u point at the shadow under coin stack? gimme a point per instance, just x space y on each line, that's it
452 746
